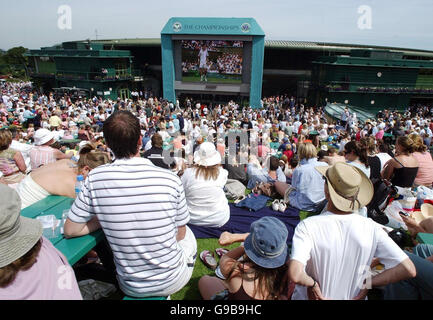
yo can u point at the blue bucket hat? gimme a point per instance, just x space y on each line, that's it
266 244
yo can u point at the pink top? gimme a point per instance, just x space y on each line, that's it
7 163
41 155
380 134
221 149
50 278
425 168
177 143
262 151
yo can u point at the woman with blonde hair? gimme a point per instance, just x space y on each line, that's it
203 184
307 191
59 178
403 168
424 175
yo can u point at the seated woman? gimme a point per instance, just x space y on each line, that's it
374 162
356 154
262 273
257 174
68 135
403 168
59 178
203 185
307 189
12 163
288 152
235 168
29 263
42 153
333 157
425 163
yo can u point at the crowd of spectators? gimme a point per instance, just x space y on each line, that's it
154 168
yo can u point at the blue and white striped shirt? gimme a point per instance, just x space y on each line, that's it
139 206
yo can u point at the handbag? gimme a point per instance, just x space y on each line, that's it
265 188
383 192
234 189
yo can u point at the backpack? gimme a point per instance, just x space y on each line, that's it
383 192
267 189
234 189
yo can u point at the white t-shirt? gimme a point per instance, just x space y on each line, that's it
164 135
384 158
206 200
24 149
203 56
337 251
296 126
361 166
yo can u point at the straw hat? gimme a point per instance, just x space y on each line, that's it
17 234
207 155
349 188
426 212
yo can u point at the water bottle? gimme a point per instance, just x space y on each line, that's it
78 184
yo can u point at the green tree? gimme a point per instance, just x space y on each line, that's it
13 61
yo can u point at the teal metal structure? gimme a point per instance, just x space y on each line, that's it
213 27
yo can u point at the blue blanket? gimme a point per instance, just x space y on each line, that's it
241 219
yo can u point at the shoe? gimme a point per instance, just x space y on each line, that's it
239 199
276 205
208 259
221 251
282 206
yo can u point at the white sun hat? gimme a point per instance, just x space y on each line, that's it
42 136
207 155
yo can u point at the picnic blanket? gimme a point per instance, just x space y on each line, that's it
241 219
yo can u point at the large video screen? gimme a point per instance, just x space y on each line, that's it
212 61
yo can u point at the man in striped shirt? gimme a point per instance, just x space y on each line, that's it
143 213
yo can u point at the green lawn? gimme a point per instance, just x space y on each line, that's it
190 291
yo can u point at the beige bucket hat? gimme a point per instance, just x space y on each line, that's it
349 188
17 234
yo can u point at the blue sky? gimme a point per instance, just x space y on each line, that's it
396 23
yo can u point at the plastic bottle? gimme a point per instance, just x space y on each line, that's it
78 184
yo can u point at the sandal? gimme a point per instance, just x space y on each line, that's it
219 274
221 251
208 259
